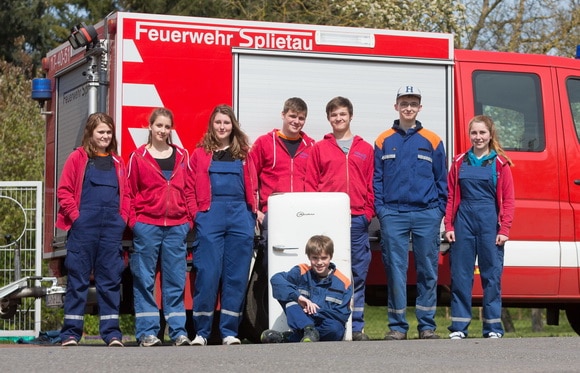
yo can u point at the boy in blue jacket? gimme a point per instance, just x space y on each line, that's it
315 298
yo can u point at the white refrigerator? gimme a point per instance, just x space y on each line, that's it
292 219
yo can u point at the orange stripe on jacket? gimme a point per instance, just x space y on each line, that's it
431 136
305 268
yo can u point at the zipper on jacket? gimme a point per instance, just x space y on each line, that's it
291 174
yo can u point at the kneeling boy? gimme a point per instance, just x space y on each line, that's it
315 298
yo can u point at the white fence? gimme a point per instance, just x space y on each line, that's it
21 250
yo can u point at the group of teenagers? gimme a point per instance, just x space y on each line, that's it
221 191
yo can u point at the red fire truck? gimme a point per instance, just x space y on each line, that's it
130 63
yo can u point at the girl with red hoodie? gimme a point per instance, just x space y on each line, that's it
478 218
94 206
225 207
160 220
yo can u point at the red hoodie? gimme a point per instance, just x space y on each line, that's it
70 188
330 170
277 171
156 200
200 162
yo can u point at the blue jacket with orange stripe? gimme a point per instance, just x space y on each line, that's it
410 170
332 293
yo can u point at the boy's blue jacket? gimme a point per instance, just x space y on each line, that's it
410 170
332 294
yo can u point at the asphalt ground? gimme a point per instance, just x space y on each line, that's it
550 354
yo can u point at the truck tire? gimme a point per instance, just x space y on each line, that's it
8 311
255 319
573 315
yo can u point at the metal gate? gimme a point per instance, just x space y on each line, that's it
21 250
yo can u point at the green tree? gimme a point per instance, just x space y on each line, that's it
198 8
22 149
435 15
21 127
525 26
23 35
30 28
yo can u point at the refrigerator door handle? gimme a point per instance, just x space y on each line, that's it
282 248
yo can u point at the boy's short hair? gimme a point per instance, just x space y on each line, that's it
320 244
337 102
295 104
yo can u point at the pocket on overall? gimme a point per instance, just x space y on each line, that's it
226 178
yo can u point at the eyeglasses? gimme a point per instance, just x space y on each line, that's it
404 104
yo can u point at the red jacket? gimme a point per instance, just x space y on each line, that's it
277 171
505 197
70 187
200 162
330 170
154 199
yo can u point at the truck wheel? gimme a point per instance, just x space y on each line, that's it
573 315
7 311
255 319
376 295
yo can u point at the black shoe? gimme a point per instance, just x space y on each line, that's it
116 342
70 341
394 335
428 334
310 334
271 336
360 336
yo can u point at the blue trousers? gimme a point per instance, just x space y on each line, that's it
94 247
223 253
328 329
396 229
360 254
167 247
475 234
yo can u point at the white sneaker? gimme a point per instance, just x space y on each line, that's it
231 340
199 341
457 335
494 335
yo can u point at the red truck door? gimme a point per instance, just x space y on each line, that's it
569 94
517 92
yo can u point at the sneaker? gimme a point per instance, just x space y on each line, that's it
271 336
116 342
182 340
394 335
360 336
199 341
310 334
457 335
428 334
70 341
150 340
231 340
494 335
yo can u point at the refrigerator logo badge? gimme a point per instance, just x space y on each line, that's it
302 213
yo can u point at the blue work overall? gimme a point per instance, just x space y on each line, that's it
94 246
476 227
225 235
328 328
